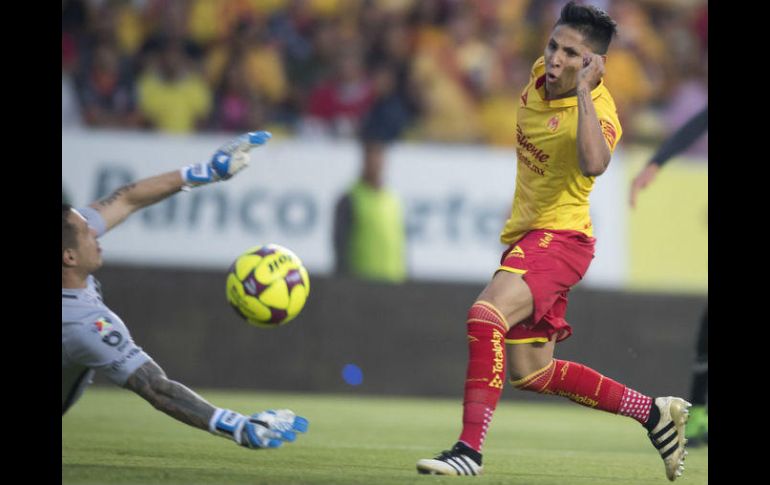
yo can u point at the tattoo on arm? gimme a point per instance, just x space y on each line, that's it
583 99
114 196
174 399
593 158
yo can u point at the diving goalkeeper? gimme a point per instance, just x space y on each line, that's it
94 338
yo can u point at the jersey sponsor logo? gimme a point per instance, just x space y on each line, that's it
529 147
523 159
517 252
609 132
103 326
109 336
553 123
113 339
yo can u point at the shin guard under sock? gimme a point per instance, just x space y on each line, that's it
485 373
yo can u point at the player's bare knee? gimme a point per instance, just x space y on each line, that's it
522 370
528 359
514 374
532 380
510 294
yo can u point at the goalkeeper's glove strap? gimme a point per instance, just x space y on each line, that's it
227 423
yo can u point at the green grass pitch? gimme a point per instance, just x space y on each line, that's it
112 436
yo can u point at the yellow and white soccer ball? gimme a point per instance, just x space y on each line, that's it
267 285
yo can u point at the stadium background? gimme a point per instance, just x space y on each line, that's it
453 70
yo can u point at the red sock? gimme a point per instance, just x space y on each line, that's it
486 368
585 386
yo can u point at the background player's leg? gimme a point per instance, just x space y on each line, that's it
698 424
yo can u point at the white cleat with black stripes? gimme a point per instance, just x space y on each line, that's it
668 435
460 460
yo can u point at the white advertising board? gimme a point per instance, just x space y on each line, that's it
456 200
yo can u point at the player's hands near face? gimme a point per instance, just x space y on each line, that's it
592 71
645 177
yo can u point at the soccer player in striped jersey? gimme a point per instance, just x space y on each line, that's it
95 339
567 130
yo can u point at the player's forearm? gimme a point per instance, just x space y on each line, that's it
183 404
170 397
124 201
593 152
682 138
153 189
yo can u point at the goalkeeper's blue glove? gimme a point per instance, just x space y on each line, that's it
268 429
229 159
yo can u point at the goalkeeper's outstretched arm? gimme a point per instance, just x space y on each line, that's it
126 200
171 397
268 429
228 160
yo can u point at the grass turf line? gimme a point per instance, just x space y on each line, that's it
112 436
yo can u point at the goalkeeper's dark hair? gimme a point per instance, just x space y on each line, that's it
596 26
69 239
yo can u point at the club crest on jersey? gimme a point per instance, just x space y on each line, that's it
553 123
103 326
524 98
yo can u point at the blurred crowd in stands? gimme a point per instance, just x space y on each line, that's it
427 70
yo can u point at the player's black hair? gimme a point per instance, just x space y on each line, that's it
69 238
596 26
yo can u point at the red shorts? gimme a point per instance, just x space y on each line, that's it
551 262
